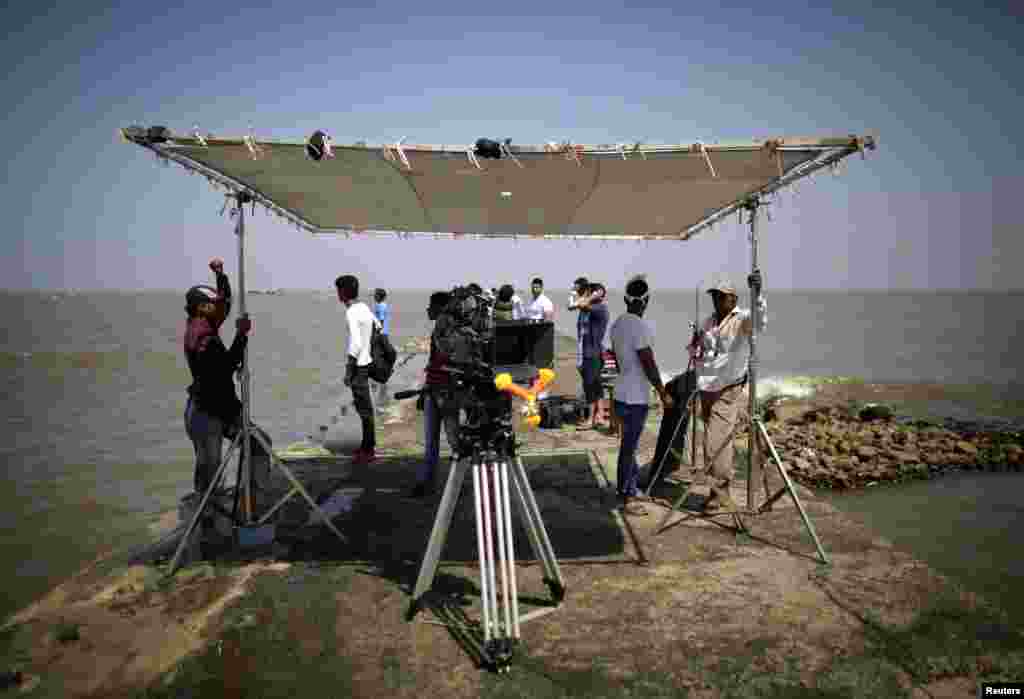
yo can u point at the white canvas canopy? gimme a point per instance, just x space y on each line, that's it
632 191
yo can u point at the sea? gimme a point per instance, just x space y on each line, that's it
94 453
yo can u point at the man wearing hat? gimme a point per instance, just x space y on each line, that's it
721 353
213 409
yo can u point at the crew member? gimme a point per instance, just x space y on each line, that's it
632 341
436 381
721 352
213 410
506 306
382 312
577 292
591 325
540 307
357 369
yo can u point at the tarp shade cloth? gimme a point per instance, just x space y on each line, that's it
656 191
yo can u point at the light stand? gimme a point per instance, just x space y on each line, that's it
491 454
758 433
239 199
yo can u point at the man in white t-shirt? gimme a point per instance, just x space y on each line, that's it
632 342
540 307
357 370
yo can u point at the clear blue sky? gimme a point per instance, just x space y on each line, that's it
934 207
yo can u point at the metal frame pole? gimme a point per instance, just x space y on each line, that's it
754 466
245 463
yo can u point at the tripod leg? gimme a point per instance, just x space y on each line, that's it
485 593
296 485
489 568
545 553
531 533
510 547
683 415
199 513
500 517
671 511
792 491
439 533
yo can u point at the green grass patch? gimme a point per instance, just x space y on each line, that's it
14 650
530 678
66 632
949 639
279 640
812 381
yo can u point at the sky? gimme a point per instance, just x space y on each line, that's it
932 208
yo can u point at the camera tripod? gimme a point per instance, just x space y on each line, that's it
498 478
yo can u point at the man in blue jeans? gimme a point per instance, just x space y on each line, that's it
213 410
632 342
435 408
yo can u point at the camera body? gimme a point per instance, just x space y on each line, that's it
478 348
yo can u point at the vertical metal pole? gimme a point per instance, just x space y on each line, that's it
754 468
244 464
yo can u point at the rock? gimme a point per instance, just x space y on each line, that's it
866 452
875 411
967 448
801 464
10 679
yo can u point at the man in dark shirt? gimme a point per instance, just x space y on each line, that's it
213 410
591 325
435 406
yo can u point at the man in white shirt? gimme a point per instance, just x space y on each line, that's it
357 370
632 342
721 354
541 307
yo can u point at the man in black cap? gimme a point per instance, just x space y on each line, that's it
213 410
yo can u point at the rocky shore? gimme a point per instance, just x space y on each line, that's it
853 446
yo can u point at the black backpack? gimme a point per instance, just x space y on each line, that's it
382 356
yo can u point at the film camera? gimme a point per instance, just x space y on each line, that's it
478 349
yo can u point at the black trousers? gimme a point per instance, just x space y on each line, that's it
668 448
364 405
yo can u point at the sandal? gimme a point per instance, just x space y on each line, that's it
634 509
716 506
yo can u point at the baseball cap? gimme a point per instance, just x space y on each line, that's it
724 286
201 293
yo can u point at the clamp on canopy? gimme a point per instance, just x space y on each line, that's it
506 149
698 146
396 151
254 148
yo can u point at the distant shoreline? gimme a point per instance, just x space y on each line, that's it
554 290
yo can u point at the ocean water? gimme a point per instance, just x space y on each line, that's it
94 448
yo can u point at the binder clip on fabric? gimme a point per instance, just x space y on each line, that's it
318 147
486 148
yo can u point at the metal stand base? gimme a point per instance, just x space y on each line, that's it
204 503
492 498
758 430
